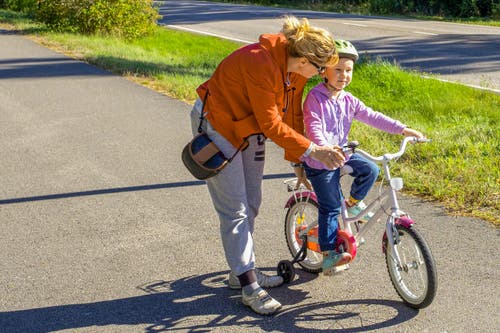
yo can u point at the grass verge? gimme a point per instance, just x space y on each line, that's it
460 168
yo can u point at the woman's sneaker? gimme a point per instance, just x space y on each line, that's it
261 302
332 259
263 280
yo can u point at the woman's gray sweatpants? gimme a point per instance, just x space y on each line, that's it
236 194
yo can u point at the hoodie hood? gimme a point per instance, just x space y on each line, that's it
276 46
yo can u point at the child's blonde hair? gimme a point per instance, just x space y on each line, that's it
313 43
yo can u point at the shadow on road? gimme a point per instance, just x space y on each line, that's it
47 67
120 190
203 303
444 54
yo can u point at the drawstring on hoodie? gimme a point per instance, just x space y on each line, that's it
287 99
286 89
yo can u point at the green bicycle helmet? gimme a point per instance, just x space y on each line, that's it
346 50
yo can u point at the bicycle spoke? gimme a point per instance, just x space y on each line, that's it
300 217
411 277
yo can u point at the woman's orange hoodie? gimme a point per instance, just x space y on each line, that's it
249 94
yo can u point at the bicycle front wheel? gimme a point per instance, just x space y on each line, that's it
414 277
302 214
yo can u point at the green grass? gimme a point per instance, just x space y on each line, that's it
461 166
459 169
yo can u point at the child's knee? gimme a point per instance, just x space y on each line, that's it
375 170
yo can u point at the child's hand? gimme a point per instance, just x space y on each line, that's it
411 132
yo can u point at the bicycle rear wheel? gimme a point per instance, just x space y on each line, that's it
415 279
303 213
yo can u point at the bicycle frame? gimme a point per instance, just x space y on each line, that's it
385 203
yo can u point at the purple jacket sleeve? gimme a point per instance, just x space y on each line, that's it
376 119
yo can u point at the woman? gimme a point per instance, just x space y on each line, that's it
256 93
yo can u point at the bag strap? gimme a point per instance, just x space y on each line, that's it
200 130
201 113
240 148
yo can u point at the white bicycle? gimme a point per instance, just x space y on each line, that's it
409 260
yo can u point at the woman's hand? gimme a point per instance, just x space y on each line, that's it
331 156
301 178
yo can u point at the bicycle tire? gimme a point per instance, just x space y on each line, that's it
308 210
416 281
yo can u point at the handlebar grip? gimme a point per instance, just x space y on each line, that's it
350 146
423 140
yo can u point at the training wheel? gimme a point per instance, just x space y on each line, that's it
286 271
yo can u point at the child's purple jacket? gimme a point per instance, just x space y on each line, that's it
328 120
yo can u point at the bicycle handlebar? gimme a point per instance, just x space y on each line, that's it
351 147
389 156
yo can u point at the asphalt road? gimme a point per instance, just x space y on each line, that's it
103 230
462 53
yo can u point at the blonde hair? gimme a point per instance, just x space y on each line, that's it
313 43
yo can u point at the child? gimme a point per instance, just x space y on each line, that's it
328 115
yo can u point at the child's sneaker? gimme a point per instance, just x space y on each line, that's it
357 209
260 302
265 281
332 259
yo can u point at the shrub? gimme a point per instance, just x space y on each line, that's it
485 7
496 12
24 6
468 9
120 18
61 15
382 6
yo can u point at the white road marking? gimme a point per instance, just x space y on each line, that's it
178 27
425 33
356 24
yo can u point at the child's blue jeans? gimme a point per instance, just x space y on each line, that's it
326 184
